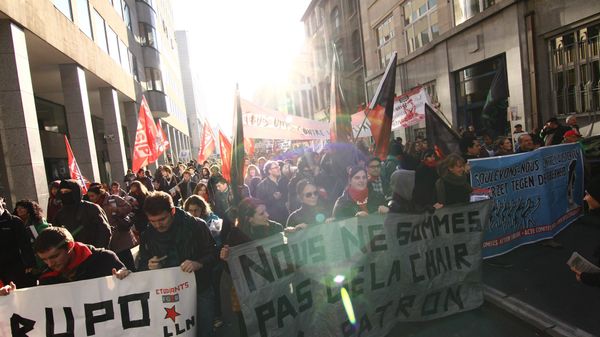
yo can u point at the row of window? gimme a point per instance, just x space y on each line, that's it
315 21
575 68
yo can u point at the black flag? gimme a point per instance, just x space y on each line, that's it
444 140
381 110
493 115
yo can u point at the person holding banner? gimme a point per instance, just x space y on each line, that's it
453 186
253 224
358 199
69 260
176 238
503 146
426 175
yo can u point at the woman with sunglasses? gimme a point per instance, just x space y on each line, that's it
311 212
358 199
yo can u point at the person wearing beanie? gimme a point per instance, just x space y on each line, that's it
592 197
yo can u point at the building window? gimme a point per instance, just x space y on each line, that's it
148 35
335 20
154 79
118 5
99 31
65 7
51 116
123 50
385 34
127 16
133 65
420 23
351 7
472 88
113 44
466 9
83 17
318 16
356 54
575 70
431 91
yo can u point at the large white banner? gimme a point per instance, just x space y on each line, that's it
361 276
151 303
409 108
263 123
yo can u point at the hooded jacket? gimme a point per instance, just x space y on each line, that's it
86 221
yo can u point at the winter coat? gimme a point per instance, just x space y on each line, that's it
188 238
99 264
310 215
452 189
16 253
276 208
120 222
345 207
86 221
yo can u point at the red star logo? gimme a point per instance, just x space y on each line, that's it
171 313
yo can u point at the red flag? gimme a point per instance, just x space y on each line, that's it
74 168
145 150
339 121
162 142
249 146
207 143
382 110
225 148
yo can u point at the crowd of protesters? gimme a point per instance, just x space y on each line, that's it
184 215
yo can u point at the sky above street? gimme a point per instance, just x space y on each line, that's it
239 41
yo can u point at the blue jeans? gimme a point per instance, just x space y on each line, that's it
205 312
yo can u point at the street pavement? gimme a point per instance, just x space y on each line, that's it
538 276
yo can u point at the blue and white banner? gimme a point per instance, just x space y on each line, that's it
151 303
536 195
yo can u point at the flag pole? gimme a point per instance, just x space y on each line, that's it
362 125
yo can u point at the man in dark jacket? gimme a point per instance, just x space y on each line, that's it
16 255
553 132
273 192
186 186
86 221
178 239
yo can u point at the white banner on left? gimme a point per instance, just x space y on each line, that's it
151 303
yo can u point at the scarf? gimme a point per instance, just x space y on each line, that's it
360 197
80 253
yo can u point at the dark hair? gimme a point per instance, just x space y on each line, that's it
157 202
372 159
552 120
114 183
451 160
466 142
198 201
429 153
268 165
220 179
96 190
518 126
141 187
302 184
352 171
246 210
33 209
52 237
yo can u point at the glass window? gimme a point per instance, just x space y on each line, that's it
113 44
65 7
99 31
421 23
133 66
51 116
356 54
123 55
83 17
154 79
127 16
148 35
118 5
385 33
466 9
